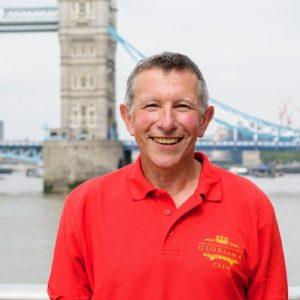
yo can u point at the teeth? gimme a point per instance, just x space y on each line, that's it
167 141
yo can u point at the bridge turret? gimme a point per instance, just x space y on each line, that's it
87 68
86 144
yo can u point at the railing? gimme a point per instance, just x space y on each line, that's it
294 292
29 14
19 143
230 145
38 291
23 291
29 19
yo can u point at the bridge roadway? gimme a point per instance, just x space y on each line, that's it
24 150
31 19
31 151
210 145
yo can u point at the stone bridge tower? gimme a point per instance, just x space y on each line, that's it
86 143
87 68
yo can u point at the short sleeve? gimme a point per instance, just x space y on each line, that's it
68 279
269 281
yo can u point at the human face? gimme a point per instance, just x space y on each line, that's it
165 117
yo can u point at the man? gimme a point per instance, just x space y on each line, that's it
171 225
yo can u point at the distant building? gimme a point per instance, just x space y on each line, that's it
1 131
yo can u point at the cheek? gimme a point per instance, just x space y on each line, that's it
191 122
144 120
141 123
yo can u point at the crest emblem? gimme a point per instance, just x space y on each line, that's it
221 252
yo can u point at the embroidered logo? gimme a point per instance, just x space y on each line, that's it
221 252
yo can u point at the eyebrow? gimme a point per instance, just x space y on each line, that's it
148 98
151 98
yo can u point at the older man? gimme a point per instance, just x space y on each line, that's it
170 225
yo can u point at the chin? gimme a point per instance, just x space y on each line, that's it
165 163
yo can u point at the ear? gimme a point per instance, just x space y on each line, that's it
127 118
205 120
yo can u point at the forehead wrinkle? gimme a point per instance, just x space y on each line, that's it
165 91
170 95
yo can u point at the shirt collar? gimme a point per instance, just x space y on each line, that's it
209 186
139 186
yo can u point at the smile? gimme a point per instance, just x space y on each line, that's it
167 140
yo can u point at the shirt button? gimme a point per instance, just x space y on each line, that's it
171 233
167 212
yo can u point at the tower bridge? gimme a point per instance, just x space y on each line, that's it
32 151
86 143
30 19
26 151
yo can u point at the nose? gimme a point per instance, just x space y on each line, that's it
167 119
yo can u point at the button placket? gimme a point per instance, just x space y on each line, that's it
167 211
171 243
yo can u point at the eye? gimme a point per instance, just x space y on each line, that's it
182 107
151 106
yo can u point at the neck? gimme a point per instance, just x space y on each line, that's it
178 181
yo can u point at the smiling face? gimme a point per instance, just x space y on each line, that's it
165 117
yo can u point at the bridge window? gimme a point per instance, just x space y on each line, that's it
82 8
110 69
83 49
91 115
83 110
83 81
88 7
91 81
92 49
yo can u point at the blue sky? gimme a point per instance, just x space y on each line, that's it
248 52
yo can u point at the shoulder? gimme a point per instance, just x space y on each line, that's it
243 193
240 183
96 188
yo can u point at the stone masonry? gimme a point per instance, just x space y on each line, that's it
86 143
68 163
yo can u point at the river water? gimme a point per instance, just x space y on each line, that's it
29 220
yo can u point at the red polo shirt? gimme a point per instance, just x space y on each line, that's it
121 238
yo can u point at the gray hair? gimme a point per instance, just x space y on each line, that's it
168 61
